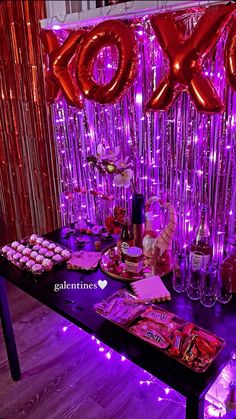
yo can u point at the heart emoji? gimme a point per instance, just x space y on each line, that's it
102 284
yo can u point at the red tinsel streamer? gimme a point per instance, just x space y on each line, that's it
28 162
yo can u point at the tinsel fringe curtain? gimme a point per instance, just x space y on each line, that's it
181 155
28 162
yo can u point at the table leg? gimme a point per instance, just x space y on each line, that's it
8 333
195 408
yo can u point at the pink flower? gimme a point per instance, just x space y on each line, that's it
123 179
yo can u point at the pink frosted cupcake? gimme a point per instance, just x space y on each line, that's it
65 253
24 259
57 258
37 247
30 264
5 249
20 248
52 246
58 250
39 258
33 255
10 254
43 250
37 268
49 254
45 243
14 245
26 251
17 256
33 238
47 264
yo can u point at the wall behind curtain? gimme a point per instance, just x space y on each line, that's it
28 162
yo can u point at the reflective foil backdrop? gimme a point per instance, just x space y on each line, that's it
181 155
28 163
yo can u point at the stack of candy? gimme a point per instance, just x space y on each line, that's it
36 254
186 342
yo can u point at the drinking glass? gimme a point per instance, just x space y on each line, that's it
208 286
180 272
195 275
224 286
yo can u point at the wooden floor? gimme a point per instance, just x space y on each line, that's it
64 375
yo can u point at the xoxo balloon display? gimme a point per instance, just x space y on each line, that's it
71 64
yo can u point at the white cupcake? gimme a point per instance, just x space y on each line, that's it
33 255
30 263
37 247
65 253
57 258
52 246
39 240
47 264
5 249
10 254
33 238
39 258
37 268
20 248
14 245
49 254
24 259
45 243
17 256
26 251
58 249
42 251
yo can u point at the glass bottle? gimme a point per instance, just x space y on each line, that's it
126 238
231 258
202 242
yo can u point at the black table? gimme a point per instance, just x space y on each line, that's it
77 307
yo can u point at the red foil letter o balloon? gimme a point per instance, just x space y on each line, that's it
112 32
230 55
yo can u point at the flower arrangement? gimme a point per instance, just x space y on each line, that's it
110 162
115 222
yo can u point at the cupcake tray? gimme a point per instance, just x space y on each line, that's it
34 246
195 351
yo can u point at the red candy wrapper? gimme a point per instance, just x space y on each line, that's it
149 332
120 308
177 342
158 316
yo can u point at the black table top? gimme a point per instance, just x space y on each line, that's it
77 306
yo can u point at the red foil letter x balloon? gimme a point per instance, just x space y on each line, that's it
60 62
186 58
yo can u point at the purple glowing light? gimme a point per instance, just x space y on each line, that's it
139 98
108 355
64 329
213 412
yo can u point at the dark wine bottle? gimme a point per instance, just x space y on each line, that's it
138 219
